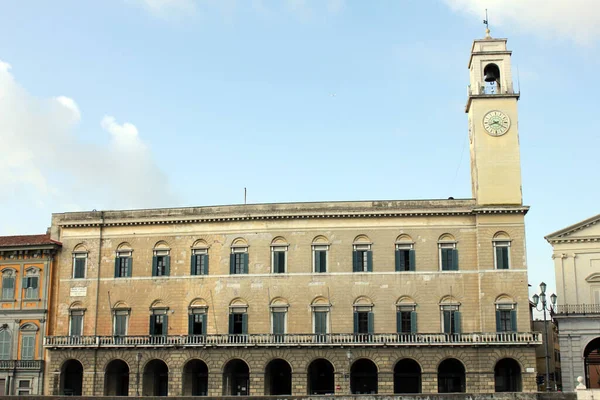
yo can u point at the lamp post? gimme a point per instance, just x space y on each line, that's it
349 357
550 308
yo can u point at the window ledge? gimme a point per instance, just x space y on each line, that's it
8 300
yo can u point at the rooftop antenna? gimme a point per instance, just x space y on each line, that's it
487 26
245 195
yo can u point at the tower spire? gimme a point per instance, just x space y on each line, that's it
487 26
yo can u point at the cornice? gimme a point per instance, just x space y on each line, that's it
560 235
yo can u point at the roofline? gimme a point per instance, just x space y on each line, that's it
573 228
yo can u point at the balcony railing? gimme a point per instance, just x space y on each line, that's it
579 309
31 365
299 340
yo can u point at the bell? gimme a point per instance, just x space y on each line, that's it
490 76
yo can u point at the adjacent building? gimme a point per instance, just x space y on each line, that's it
26 266
554 370
576 254
407 296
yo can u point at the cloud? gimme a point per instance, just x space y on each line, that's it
47 161
578 20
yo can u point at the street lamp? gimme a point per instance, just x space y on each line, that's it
550 308
349 357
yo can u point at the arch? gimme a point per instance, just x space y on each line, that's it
279 241
405 300
30 327
320 376
493 70
158 304
116 378
198 303
236 378
363 301
320 301
162 245
238 302
278 378
362 239
507 376
195 378
320 239
121 304
239 242
32 270
504 298
76 305
279 302
71 378
407 376
447 238
404 238
591 357
200 244
124 246
448 299
80 248
363 377
451 376
155 381
501 235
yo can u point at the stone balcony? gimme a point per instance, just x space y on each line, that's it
299 340
577 309
20 365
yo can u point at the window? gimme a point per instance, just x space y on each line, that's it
5 342
406 318
24 388
320 253
238 262
31 284
278 318
197 321
8 284
161 263
123 263
121 319
448 256
76 323
506 317
320 308
79 264
363 318
278 259
27 347
450 318
199 262
502 254
362 258
238 323
405 257
159 322
320 321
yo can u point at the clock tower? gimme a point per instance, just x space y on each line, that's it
493 125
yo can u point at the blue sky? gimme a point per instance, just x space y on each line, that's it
148 103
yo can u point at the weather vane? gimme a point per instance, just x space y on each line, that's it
487 25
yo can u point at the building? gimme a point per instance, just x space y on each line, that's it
553 356
576 254
26 264
413 296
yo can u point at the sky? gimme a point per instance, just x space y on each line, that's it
122 104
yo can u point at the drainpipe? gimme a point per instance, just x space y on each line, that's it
97 300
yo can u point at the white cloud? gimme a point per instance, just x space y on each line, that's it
576 20
45 163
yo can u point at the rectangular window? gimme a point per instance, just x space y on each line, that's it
197 324
238 323
405 257
199 263
76 323
160 265
279 256
320 322
362 258
238 262
120 322
278 323
123 266
506 318
159 324
448 257
30 284
320 258
8 287
27 347
406 320
451 322
361 324
502 255
79 263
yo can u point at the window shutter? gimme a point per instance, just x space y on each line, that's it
447 321
354 261
278 322
154 266
454 259
231 323
129 266
9 283
165 327
232 264
457 327
117 267
245 258
190 324
513 320
152 324
205 264
355 322
413 322
498 321
445 259
34 282
244 323
399 260
317 255
371 323
167 265
28 346
399 322
193 264
276 262
411 260
369 261
24 283
499 258
204 327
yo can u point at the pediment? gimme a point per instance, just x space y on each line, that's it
588 229
593 278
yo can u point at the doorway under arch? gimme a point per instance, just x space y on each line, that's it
195 378
236 378
116 378
407 376
507 376
363 377
591 356
156 379
321 377
451 376
71 378
278 378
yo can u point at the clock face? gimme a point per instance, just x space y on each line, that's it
496 123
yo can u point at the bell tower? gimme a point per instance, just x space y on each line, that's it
493 125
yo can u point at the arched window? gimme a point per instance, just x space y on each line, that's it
159 319
448 253
279 248
199 261
80 256
28 334
8 284
362 256
76 313
197 321
320 250
451 319
238 317
279 308
31 283
501 244
320 309
405 253
238 260
5 342
123 261
363 318
506 314
121 313
161 262
406 315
